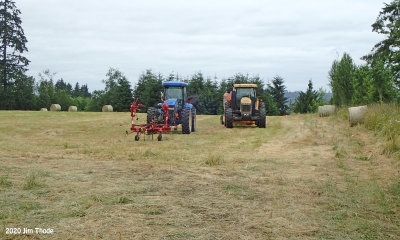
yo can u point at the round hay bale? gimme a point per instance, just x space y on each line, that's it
43 109
321 111
55 107
107 108
326 110
357 115
72 109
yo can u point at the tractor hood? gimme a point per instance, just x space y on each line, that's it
172 102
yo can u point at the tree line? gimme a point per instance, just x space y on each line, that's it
378 79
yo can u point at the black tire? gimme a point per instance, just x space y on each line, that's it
228 118
136 138
151 113
227 105
159 138
193 119
186 115
261 119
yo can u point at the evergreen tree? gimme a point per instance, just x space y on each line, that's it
148 89
23 93
84 91
12 43
123 95
277 92
308 102
205 93
60 85
68 88
77 90
388 50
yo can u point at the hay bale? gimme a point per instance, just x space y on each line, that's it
43 109
320 111
326 110
55 107
107 108
357 115
72 109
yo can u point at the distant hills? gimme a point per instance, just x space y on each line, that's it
291 96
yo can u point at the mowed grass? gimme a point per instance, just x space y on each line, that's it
301 177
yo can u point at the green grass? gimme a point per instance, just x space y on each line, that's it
32 181
214 160
4 182
124 200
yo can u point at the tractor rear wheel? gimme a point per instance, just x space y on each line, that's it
228 118
261 119
186 115
193 119
151 113
227 105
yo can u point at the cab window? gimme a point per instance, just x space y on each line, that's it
173 92
244 92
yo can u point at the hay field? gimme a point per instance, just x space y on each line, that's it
302 177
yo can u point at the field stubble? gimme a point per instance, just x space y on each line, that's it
301 177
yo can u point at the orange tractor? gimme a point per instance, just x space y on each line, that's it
241 106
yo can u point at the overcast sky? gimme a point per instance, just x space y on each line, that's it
297 40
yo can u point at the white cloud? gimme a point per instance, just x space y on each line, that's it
295 39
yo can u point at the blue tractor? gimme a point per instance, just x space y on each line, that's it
180 109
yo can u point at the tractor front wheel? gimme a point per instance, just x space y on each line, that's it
186 117
229 118
261 119
151 113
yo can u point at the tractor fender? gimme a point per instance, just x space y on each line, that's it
188 105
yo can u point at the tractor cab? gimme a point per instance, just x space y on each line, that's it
245 97
175 94
176 106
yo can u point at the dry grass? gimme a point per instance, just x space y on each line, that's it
384 119
301 177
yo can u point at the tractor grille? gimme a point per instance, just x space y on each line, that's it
246 108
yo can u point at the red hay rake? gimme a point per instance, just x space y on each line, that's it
148 128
